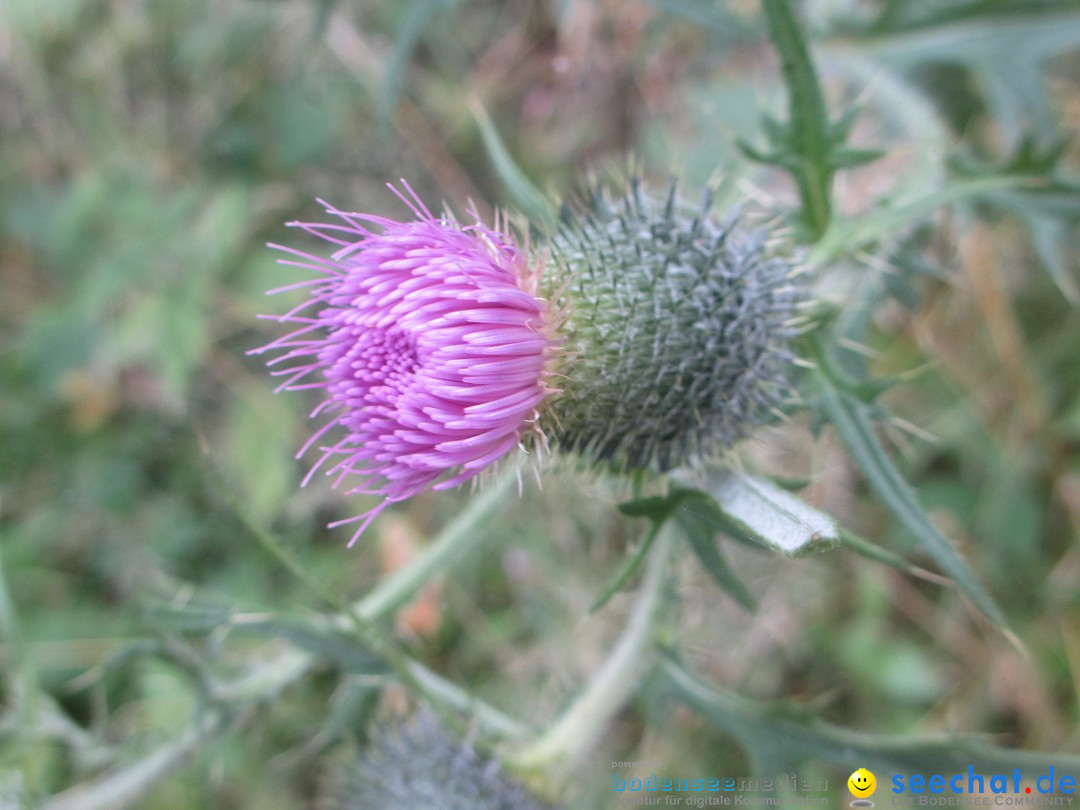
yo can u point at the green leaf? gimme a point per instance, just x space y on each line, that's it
775 158
842 126
775 129
709 15
1031 38
780 738
866 389
630 565
848 415
343 650
875 552
658 509
1035 156
808 127
352 707
700 533
792 483
847 157
1004 53
912 15
197 617
1043 196
130 783
1051 239
846 237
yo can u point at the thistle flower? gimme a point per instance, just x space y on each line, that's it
429 345
675 330
418 765
438 346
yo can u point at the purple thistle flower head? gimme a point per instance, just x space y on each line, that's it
429 343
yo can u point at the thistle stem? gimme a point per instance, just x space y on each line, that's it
613 684
361 618
488 717
124 786
462 535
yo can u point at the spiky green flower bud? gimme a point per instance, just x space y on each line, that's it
418 766
675 333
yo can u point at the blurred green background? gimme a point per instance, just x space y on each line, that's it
150 148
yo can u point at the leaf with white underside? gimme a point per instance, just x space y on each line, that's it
749 507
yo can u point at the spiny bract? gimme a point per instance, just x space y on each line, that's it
643 334
674 330
418 766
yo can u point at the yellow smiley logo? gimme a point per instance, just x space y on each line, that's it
862 783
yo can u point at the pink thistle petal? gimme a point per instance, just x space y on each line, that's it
432 352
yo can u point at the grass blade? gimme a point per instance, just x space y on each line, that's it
420 15
526 196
